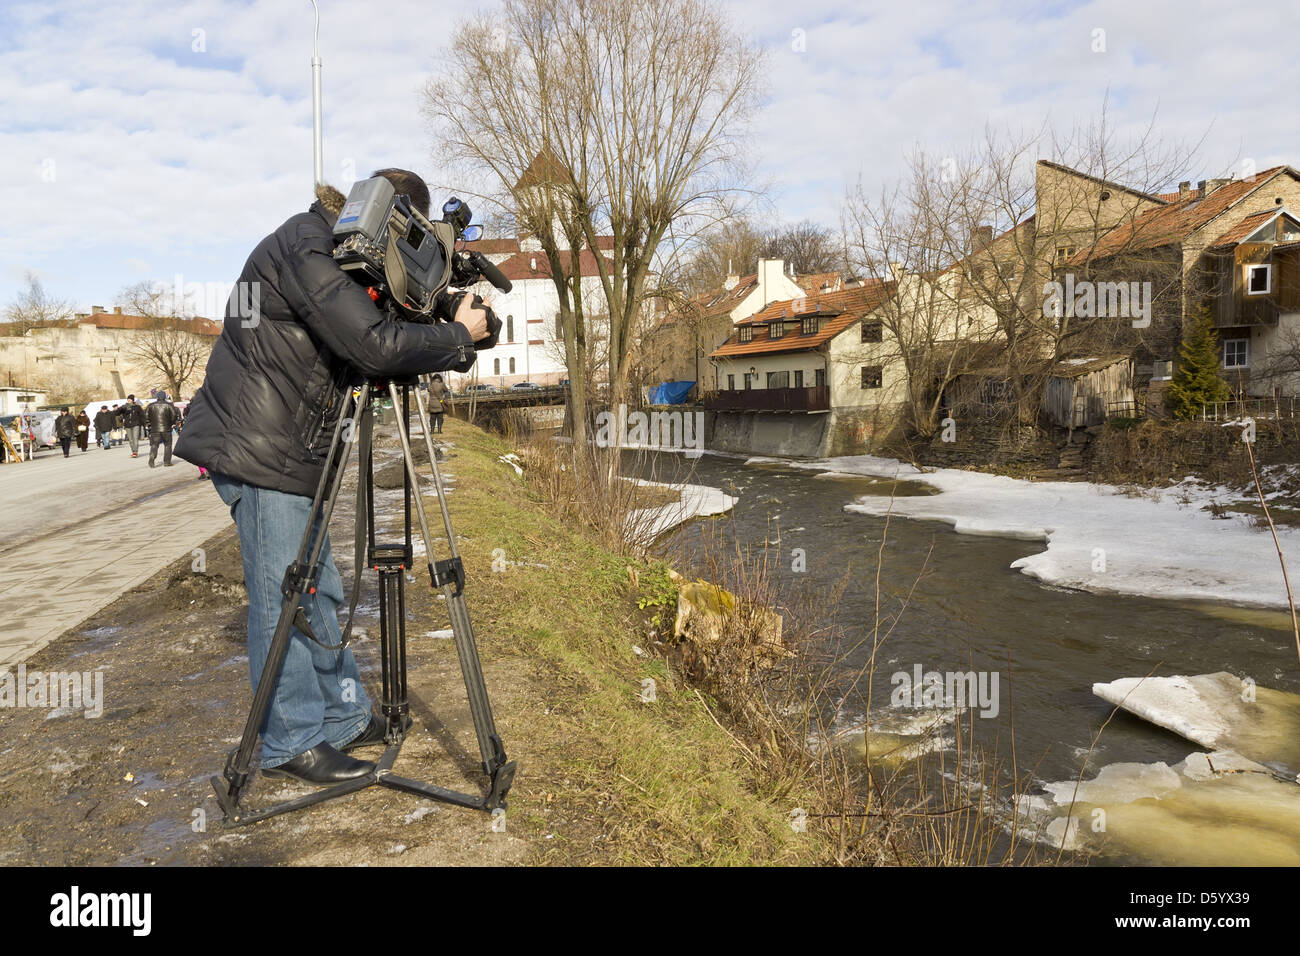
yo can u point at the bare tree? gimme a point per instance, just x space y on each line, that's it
924 324
35 308
600 118
805 247
730 247
168 343
997 224
733 247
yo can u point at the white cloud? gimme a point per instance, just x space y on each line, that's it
183 160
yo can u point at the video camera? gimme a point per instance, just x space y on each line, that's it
396 252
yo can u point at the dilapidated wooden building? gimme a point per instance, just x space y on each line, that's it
1085 391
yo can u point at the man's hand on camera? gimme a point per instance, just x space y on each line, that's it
476 314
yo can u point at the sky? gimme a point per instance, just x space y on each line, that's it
162 140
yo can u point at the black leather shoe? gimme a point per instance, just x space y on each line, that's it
321 766
373 734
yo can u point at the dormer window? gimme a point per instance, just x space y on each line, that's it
810 324
746 333
776 330
1259 279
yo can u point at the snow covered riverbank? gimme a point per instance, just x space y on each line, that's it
1097 538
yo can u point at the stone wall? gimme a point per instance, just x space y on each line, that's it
1157 452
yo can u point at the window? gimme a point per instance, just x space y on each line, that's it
1162 370
820 377
496 366
510 329
778 379
512 365
798 378
776 330
746 333
731 383
810 325
871 375
1236 353
1258 279
872 332
749 379
1063 253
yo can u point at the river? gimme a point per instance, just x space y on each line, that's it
968 610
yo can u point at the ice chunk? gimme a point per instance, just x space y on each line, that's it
1218 711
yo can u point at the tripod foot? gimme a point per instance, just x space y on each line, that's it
229 804
502 777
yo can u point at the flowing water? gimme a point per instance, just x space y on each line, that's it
968 610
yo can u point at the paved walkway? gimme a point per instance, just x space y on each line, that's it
77 532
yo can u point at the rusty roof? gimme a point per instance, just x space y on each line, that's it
139 323
838 310
1172 223
708 305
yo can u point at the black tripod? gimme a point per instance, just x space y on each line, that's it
391 562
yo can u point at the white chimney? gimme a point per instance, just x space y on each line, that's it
770 273
732 278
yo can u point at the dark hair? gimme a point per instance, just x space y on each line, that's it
131 397
408 184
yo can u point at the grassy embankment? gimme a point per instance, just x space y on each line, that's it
635 782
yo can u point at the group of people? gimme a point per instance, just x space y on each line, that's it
127 422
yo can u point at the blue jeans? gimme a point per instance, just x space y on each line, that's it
319 696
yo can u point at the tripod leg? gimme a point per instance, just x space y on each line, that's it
452 580
299 579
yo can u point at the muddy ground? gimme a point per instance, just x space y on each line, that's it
132 786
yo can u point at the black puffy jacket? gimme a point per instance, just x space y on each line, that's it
65 426
160 416
268 404
132 415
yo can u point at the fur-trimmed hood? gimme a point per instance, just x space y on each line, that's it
331 199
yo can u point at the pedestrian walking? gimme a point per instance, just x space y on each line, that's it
65 429
119 433
104 427
133 423
160 417
83 429
438 399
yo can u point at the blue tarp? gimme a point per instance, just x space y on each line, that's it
670 393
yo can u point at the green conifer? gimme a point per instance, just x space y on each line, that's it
1197 381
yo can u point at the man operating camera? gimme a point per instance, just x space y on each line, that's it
261 425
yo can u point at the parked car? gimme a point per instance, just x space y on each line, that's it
481 389
524 387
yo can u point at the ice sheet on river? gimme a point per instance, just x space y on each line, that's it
1097 538
1218 711
1215 809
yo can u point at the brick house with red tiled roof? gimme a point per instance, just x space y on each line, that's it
678 347
1222 243
821 354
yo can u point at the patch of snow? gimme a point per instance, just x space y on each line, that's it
697 501
1162 544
